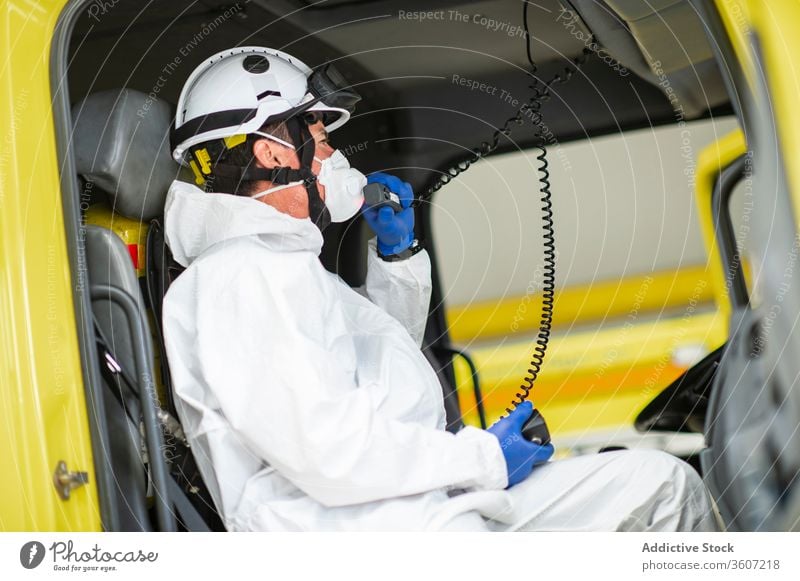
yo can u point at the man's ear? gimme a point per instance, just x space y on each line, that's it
271 154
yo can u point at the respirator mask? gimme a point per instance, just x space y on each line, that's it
343 184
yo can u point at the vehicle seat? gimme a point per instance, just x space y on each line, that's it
108 263
122 150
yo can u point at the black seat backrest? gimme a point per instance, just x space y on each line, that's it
108 263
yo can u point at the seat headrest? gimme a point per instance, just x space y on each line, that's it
121 144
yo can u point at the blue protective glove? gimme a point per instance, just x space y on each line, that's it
395 231
520 454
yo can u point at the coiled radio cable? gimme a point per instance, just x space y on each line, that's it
532 108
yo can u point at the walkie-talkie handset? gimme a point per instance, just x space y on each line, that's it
377 195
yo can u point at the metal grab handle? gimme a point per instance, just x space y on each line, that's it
147 395
726 237
476 387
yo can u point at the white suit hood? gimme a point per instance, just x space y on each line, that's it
196 220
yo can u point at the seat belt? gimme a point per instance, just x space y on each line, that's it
110 367
187 513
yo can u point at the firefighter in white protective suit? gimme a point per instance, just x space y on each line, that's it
308 404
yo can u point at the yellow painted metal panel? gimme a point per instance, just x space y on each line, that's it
598 301
43 410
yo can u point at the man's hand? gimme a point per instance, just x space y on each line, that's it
395 230
520 454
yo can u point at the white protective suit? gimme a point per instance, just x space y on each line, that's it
311 407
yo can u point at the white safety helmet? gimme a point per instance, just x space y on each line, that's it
237 91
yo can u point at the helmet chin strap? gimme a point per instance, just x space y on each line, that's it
305 145
301 135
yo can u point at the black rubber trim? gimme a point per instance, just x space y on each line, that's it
726 237
70 196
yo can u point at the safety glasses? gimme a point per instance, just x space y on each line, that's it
328 86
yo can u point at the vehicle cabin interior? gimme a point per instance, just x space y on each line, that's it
123 67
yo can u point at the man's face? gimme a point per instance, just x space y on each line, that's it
269 154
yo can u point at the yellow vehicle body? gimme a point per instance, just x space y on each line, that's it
44 409
44 405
